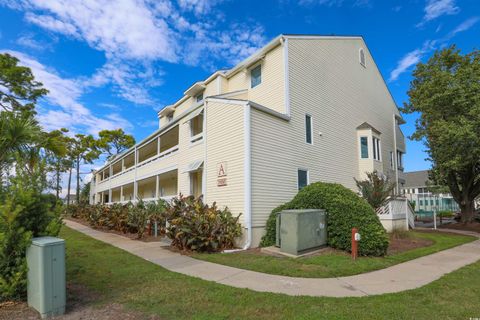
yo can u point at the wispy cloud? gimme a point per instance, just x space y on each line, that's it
413 57
65 95
437 8
337 3
135 34
28 41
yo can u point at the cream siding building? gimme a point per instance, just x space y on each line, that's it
302 109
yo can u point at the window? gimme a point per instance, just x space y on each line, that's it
364 147
361 57
170 117
421 202
431 202
391 160
400 160
256 76
308 129
196 127
199 97
376 148
302 178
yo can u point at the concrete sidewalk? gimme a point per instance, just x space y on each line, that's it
404 276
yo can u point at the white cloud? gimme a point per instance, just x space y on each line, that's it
65 94
437 8
464 26
29 41
410 59
198 6
337 3
136 34
413 57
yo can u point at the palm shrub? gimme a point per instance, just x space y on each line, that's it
195 226
345 210
375 188
138 217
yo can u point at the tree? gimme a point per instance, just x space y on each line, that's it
18 88
84 150
113 142
85 193
445 92
375 189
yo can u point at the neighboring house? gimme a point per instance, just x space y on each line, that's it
417 191
301 109
72 197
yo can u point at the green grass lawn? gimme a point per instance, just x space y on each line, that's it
117 276
333 264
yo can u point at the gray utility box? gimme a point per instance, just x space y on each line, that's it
46 276
301 230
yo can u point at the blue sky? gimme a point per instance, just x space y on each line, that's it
112 64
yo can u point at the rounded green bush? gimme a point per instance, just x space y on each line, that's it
345 210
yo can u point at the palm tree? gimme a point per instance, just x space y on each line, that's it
375 189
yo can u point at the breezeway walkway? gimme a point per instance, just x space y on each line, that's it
404 276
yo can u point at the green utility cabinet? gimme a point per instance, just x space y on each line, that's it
46 276
299 231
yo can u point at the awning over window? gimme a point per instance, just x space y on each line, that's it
194 166
193 114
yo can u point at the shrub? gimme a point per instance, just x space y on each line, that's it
24 213
375 188
193 225
345 210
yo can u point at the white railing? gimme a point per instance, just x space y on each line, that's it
158 156
398 208
166 198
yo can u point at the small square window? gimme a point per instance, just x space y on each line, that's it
302 178
199 97
256 76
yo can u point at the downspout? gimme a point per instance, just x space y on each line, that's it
247 168
247 174
395 153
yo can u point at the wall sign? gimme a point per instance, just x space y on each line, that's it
221 174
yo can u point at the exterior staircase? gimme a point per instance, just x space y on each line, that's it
394 212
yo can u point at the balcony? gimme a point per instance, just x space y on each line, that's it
161 186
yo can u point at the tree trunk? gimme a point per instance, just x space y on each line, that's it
57 187
78 180
467 208
69 185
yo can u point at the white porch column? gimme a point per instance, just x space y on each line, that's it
123 164
121 194
157 186
158 145
109 195
110 170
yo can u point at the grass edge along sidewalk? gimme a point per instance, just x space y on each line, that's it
120 277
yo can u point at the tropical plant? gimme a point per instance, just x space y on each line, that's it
195 226
375 189
445 92
345 210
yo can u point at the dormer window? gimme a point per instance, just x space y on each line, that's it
199 97
256 76
361 57
170 117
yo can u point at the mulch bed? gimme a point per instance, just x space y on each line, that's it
133 236
473 226
398 245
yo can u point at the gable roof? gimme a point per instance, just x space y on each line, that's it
367 125
416 179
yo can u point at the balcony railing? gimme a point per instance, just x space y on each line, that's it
154 158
